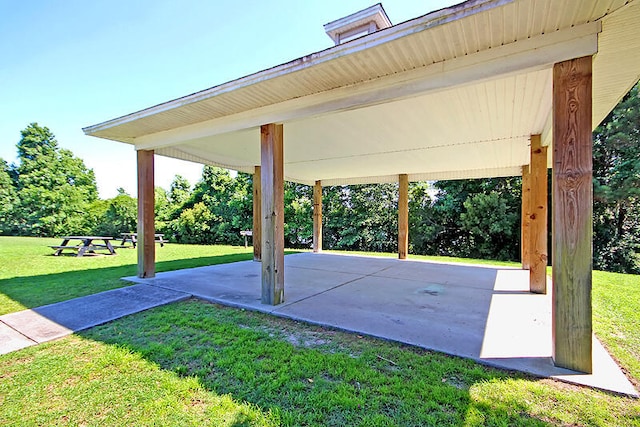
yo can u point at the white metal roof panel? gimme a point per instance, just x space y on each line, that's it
407 98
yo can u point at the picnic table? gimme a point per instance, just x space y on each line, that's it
86 245
133 239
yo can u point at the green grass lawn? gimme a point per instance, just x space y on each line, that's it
30 276
194 363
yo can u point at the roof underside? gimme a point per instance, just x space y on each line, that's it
453 94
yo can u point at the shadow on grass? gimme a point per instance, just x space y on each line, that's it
309 375
37 290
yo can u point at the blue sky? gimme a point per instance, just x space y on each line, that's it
70 64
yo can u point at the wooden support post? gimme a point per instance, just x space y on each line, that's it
572 214
317 217
272 186
403 216
146 244
525 236
538 217
257 215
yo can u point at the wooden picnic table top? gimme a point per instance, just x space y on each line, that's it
87 238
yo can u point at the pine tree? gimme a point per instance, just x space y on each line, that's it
53 185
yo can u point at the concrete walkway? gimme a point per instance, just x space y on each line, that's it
477 312
49 322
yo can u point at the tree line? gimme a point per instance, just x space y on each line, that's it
50 192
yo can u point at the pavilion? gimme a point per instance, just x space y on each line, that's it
486 88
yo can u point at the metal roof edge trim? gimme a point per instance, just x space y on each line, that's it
421 23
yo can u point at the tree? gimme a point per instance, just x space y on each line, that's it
55 187
169 205
477 217
422 222
224 202
298 215
241 205
616 170
162 211
361 217
180 191
121 216
8 199
112 216
491 226
193 225
335 216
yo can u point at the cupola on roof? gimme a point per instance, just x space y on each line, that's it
357 24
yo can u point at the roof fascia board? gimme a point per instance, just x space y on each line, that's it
530 54
419 24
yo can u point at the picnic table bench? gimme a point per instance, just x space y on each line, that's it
86 245
133 239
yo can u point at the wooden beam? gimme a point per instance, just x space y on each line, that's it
403 216
317 217
525 235
146 244
538 217
272 185
257 215
572 214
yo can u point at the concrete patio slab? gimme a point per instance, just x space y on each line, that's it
239 284
54 321
479 312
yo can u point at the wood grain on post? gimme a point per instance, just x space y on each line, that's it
572 214
538 218
146 244
317 217
525 236
403 216
272 179
257 215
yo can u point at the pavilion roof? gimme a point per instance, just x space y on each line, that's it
452 94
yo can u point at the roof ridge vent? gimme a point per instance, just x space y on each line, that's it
357 24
